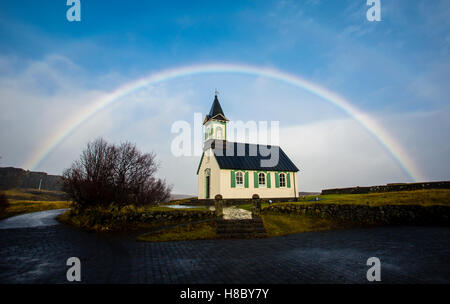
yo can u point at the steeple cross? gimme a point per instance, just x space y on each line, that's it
216 92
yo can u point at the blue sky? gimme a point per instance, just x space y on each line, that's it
396 70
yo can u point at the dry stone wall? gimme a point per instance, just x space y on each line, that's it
386 215
389 188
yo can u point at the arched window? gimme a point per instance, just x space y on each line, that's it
239 179
261 179
219 133
208 172
282 180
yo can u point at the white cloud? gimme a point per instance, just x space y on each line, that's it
338 153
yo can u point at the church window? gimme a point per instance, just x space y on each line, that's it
261 179
219 133
282 180
239 179
208 172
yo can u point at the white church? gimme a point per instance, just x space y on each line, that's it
225 170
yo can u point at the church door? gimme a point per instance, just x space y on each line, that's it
207 187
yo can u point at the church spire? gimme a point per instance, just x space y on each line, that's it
215 122
216 111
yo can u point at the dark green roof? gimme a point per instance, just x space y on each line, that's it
242 156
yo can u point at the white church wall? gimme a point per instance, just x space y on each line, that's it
228 191
214 179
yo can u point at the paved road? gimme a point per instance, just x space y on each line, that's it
407 254
31 220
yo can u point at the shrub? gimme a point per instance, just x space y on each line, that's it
118 174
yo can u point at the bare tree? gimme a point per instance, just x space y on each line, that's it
107 173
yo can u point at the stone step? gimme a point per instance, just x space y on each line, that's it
239 222
241 225
245 228
243 235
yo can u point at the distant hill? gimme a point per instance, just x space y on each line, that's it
16 178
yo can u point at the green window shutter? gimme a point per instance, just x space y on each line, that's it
255 179
233 179
212 130
268 179
246 180
277 180
288 179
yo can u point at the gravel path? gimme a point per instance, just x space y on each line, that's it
235 213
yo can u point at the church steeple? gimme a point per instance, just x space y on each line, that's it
215 122
216 111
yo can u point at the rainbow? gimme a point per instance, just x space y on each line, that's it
64 131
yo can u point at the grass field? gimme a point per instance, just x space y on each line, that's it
200 231
35 195
284 224
275 225
32 200
419 197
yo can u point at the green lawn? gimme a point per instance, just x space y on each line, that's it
284 224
